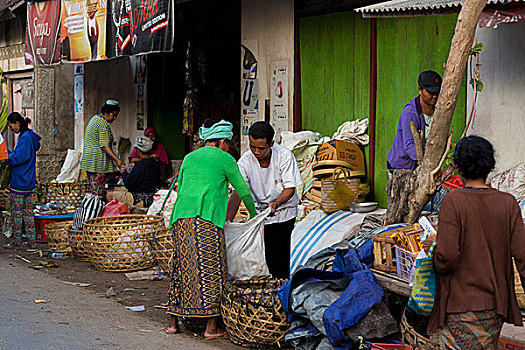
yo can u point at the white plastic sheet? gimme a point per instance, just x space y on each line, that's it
245 248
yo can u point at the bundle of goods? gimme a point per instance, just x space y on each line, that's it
52 208
120 243
70 194
337 154
396 250
57 236
253 314
77 245
162 247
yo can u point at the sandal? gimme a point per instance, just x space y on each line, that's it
177 330
217 336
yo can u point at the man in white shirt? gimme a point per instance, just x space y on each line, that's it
271 172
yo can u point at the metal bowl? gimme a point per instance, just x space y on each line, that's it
364 207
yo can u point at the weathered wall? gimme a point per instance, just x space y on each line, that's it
501 106
267 29
112 79
12 43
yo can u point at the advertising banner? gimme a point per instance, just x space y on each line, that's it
139 26
83 32
42 34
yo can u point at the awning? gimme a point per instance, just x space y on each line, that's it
7 7
400 8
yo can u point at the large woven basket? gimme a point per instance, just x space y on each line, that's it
57 236
70 194
252 313
520 293
77 244
410 336
162 246
119 243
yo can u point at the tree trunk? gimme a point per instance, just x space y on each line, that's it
408 193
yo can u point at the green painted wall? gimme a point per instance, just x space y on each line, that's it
335 70
405 47
335 73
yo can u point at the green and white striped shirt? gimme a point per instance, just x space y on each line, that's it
98 134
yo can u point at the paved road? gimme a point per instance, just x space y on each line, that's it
75 318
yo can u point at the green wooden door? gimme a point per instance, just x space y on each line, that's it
406 47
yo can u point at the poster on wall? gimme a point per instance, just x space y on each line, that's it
139 26
249 94
83 32
42 32
279 98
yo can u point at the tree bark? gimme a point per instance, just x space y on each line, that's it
409 193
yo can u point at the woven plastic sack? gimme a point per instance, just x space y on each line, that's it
423 295
245 248
338 193
511 181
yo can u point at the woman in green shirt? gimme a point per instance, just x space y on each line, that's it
197 220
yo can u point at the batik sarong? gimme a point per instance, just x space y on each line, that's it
472 330
198 269
22 216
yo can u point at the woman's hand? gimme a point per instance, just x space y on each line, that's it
120 163
427 243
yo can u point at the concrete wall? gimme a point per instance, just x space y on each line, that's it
500 115
267 29
112 79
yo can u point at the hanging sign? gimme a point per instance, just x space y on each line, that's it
249 95
139 26
83 32
42 34
279 98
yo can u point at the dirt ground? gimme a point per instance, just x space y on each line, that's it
150 293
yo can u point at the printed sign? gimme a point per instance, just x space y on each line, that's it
279 98
83 32
139 26
42 34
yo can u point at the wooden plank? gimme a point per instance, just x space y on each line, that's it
392 283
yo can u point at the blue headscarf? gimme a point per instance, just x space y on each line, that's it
220 130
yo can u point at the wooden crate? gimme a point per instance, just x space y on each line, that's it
384 246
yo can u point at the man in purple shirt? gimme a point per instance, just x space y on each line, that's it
419 110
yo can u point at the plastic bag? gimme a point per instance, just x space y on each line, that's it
245 248
71 168
423 295
91 207
168 207
114 208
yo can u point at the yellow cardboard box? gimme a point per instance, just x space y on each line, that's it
342 150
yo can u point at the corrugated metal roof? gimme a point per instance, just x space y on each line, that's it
419 5
6 8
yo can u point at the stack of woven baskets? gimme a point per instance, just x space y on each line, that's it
253 314
58 237
69 194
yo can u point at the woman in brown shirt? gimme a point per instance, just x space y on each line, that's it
480 231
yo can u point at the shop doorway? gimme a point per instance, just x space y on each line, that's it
205 59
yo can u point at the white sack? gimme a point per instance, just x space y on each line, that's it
319 230
245 248
354 131
71 168
291 139
168 207
511 181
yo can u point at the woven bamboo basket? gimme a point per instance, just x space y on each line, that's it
410 336
162 247
520 293
120 243
70 194
58 237
252 313
77 244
